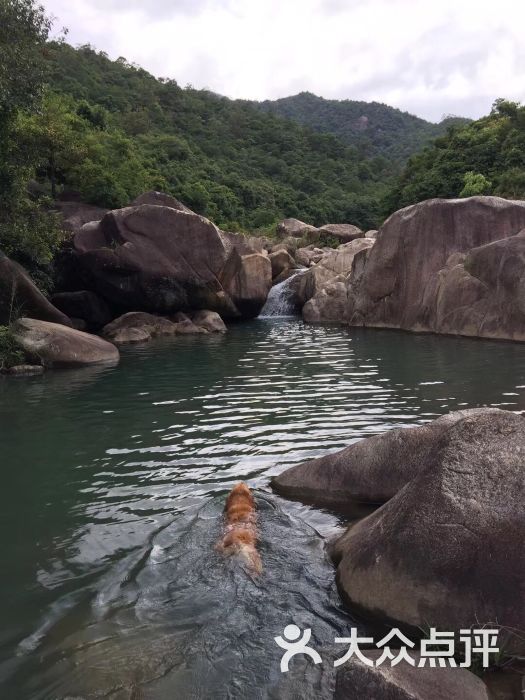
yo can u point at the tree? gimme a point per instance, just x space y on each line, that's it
24 29
54 138
27 232
474 184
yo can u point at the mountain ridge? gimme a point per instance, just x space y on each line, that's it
375 128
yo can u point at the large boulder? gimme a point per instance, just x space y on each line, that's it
56 345
19 296
340 261
309 255
84 305
356 679
160 199
163 260
399 286
370 471
289 244
481 293
328 301
341 232
76 213
294 228
447 549
305 286
281 261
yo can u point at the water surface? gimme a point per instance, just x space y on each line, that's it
113 481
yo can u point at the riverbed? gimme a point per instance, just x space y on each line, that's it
113 482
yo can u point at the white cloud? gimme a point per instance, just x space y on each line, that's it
426 57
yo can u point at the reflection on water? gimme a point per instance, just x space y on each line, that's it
113 480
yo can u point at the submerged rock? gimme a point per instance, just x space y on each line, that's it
136 327
20 296
355 679
59 346
24 370
184 325
210 321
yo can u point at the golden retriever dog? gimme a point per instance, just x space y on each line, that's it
240 534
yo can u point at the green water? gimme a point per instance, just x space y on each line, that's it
113 481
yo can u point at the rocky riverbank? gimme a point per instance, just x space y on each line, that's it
445 549
443 266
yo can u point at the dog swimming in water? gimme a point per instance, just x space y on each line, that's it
240 533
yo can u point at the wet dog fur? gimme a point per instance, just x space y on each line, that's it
240 533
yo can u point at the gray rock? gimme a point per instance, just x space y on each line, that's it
160 199
136 327
342 232
281 261
84 305
370 471
481 293
159 259
59 346
355 679
447 550
19 296
293 228
210 321
24 370
401 282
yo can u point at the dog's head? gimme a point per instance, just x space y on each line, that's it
240 494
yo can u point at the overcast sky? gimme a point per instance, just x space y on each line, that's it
429 57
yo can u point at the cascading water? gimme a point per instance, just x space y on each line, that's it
281 299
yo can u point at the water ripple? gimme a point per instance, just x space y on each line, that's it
116 480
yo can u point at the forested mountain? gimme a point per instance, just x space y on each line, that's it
373 128
484 157
223 158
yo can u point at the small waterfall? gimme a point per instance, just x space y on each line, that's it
281 299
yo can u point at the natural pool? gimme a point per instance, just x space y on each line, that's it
113 481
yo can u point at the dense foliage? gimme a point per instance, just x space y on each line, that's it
376 130
484 157
10 352
223 158
27 231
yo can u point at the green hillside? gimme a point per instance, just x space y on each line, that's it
373 128
223 158
484 157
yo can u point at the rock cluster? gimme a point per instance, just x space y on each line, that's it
446 548
160 259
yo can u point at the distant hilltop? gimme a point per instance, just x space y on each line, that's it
376 129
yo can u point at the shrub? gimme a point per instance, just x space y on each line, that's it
10 352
